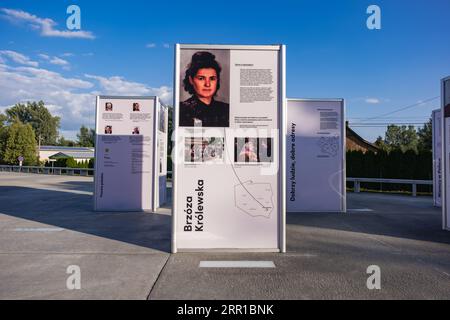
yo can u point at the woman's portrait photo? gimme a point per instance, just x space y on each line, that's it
108 106
204 92
136 107
108 130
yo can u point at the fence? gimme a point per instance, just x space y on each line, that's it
48 170
90 172
413 183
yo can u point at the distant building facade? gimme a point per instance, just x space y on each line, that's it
47 153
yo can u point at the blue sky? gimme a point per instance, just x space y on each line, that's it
127 48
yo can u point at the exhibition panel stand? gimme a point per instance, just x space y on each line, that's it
445 115
126 158
229 168
437 157
161 149
315 156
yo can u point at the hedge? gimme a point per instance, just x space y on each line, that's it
392 165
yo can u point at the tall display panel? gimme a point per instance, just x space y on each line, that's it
445 114
161 148
437 157
125 154
229 169
315 159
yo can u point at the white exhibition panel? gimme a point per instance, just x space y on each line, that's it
228 159
315 156
161 152
437 157
124 153
445 114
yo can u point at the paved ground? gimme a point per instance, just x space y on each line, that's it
47 224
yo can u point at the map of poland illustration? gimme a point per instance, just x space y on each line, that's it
255 199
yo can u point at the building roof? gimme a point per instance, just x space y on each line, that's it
63 149
71 154
359 140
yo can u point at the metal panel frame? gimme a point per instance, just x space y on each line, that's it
165 108
155 183
444 158
434 151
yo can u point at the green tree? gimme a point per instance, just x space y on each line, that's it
71 163
20 141
65 142
425 135
3 136
381 144
401 138
45 125
86 137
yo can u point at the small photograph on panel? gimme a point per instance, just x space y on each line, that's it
136 130
108 106
136 107
253 150
200 150
204 88
108 130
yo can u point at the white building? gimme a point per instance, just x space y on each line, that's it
54 152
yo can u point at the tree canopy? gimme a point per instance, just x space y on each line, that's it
426 136
86 137
19 141
45 125
406 138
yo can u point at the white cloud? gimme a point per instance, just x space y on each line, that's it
44 56
59 61
150 45
372 100
72 99
67 54
62 95
56 61
18 58
166 45
46 26
119 86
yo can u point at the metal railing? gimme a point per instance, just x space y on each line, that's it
90 172
413 183
48 170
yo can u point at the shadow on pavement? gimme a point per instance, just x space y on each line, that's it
414 226
77 185
75 212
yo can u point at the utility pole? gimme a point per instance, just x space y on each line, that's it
39 148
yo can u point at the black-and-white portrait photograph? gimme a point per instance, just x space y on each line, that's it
205 88
108 106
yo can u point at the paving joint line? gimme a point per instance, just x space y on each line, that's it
158 277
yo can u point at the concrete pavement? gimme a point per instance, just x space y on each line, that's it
47 224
